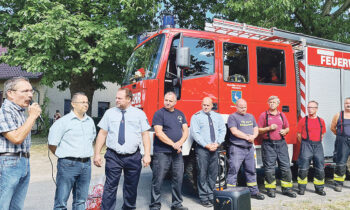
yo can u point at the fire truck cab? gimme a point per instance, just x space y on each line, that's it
229 61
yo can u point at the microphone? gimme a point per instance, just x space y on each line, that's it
41 119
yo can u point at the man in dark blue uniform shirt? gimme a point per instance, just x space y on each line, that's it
171 132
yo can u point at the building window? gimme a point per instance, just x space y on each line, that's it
102 108
271 66
235 63
67 106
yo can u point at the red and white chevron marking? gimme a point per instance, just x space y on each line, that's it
302 76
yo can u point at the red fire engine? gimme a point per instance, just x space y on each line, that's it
229 61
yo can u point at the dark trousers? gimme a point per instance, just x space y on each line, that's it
162 162
310 150
237 157
115 165
342 154
207 163
272 152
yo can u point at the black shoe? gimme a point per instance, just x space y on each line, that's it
206 204
301 191
258 196
338 188
289 193
179 208
320 192
271 193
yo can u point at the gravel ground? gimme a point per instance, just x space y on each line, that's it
41 191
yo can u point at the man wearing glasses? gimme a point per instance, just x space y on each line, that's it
310 133
15 142
70 139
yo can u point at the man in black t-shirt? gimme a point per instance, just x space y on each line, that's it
171 131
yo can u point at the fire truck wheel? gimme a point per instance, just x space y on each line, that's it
190 173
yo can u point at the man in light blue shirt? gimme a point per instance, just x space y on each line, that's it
123 128
70 139
208 130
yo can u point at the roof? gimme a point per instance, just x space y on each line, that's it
7 71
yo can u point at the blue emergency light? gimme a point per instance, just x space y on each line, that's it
168 21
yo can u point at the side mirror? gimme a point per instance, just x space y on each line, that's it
183 57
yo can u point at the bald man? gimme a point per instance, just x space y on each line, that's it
208 130
244 130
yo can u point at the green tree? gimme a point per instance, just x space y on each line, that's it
80 43
322 18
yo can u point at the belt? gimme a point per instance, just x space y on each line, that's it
20 154
124 155
83 160
312 142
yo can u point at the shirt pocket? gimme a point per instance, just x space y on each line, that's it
133 125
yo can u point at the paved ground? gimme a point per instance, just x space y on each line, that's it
41 192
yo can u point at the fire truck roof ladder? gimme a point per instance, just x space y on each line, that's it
273 34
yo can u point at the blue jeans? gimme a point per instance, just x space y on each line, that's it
14 181
162 162
72 175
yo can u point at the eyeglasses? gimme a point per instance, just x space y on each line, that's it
82 102
25 91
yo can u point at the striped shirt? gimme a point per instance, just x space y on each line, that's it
11 118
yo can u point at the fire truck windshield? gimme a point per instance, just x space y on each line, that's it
144 62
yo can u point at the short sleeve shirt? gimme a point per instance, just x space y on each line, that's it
245 123
172 127
11 118
279 119
136 122
314 128
73 136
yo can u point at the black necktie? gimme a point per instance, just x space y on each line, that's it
121 135
212 132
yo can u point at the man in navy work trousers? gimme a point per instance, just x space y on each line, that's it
15 142
70 139
123 128
243 131
208 130
171 131
310 133
274 126
341 128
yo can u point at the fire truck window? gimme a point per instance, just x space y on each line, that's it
271 66
202 57
235 63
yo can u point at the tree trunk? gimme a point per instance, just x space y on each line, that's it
83 83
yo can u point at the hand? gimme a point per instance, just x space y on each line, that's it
98 160
179 150
177 145
283 132
251 138
214 147
146 160
34 110
273 127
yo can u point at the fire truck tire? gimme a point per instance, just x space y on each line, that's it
190 173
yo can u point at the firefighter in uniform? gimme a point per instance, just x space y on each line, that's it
310 133
341 128
241 149
273 125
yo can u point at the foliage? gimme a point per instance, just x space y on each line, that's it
322 18
81 43
44 126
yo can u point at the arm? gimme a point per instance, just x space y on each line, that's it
255 132
52 148
162 136
284 132
179 143
195 131
239 133
17 136
147 148
334 124
299 137
100 141
221 131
